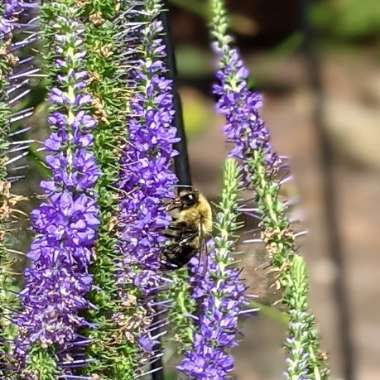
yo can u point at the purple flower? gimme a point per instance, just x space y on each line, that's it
11 10
251 145
220 295
146 177
219 292
245 128
66 223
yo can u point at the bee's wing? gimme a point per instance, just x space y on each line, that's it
203 253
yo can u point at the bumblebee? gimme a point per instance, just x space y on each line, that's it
190 227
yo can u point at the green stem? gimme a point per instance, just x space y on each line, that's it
302 335
42 359
113 353
305 358
182 308
226 223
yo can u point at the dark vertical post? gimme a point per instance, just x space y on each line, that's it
182 166
331 221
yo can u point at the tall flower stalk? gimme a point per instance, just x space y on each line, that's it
109 354
261 170
146 180
14 80
66 223
220 293
303 341
182 309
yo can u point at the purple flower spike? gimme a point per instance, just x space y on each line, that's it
221 297
12 8
245 128
147 177
66 223
219 292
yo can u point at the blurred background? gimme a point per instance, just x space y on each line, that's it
318 66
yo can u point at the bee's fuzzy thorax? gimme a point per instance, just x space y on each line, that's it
198 215
206 214
189 230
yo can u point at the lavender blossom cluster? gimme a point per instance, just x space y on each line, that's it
245 129
66 223
11 9
220 294
147 178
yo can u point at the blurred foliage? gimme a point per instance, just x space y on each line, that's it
197 111
287 46
193 62
348 19
270 312
239 22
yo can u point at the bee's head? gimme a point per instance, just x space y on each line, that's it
188 198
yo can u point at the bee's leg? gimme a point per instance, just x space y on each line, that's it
179 234
179 249
203 252
188 239
178 257
171 255
180 226
172 234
